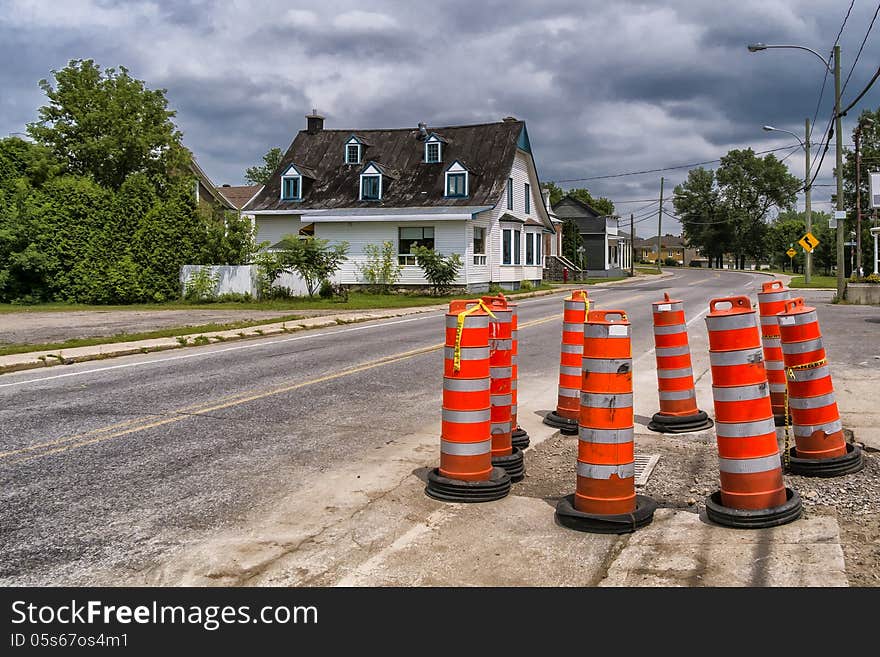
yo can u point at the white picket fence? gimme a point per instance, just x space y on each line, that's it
241 279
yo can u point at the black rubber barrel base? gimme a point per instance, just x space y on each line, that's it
622 523
513 464
680 423
754 518
564 424
837 466
779 420
457 490
519 438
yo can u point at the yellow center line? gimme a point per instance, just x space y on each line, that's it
132 426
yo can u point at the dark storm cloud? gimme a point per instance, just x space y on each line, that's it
604 87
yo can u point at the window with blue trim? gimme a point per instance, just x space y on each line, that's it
291 188
510 193
456 184
353 154
517 248
432 152
528 205
370 188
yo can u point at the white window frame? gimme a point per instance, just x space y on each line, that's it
408 259
479 256
530 244
517 252
353 141
287 175
510 194
370 171
527 195
456 168
432 141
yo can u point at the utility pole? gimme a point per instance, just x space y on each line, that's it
660 224
841 223
632 246
808 210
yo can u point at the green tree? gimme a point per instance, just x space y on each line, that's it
260 175
571 241
601 204
314 259
107 124
230 239
869 152
440 271
783 233
698 204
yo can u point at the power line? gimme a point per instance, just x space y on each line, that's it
669 168
864 91
859 53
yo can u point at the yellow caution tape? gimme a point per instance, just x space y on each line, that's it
456 360
789 372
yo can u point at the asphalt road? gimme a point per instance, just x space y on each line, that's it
108 469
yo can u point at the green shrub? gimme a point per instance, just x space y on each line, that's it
201 286
381 270
525 286
235 297
440 271
326 291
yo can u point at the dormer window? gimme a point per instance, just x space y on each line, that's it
371 183
291 184
353 150
432 150
456 180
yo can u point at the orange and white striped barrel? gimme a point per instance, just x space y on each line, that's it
465 442
817 428
605 462
748 455
675 376
565 417
771 301
519 437
501 373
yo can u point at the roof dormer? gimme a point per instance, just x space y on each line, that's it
434 148
371 183
456 183
291 184
354 150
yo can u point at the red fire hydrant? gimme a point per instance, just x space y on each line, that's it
565 274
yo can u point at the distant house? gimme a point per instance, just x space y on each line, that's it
239 195
472 190
207 194
671 247
606 250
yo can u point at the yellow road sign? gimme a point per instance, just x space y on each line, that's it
791 253
809 242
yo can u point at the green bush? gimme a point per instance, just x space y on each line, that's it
235 297
381 270
525 286
670 262
326 291
440 271
201 286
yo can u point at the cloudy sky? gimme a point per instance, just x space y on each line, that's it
605 87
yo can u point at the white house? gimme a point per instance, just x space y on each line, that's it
472 190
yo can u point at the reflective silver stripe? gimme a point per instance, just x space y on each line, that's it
500 345
769 320
739 393
663 352
513 384
570 371
569 392
499 427
594 471
804 403
606 330
568 327
749 466
514 359
806 430
739 357
606 365
675 395
675 374
667 306
670 329
802 347
465 449
771 297
513 409
501 372
811 374
465 385
501 400
798 318
514 334
502 316
777 387
606 400
745 429
470 321
605 436
774 365
575 305
467 353
573 348
466 417
731 322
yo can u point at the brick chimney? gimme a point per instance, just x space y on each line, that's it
315 122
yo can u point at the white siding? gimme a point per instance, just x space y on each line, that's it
272 228
480 273
449 237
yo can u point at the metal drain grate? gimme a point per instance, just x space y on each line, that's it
644 466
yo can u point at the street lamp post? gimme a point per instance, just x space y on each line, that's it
808 215
835 69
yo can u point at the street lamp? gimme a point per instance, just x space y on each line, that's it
808 214
835 69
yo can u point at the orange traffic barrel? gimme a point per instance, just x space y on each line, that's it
771 301
504 455
753 494
565 417
675 376
466 473
519 437
820 448
605 499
